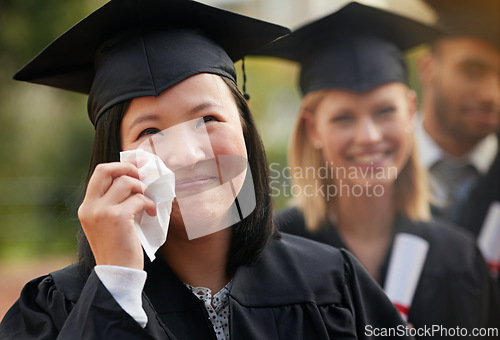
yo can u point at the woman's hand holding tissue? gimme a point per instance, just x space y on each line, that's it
114 196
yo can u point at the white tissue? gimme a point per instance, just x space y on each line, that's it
159 184
489 238
405 266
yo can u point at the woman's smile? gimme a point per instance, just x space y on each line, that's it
194 184
371 158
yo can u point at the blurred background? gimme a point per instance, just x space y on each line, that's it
46 137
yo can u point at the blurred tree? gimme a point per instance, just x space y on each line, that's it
45 136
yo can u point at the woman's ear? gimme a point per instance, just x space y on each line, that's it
311 129
425 67
412 102
412 109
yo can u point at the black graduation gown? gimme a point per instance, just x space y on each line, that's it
297 289
455 287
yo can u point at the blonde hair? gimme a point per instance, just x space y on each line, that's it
411 188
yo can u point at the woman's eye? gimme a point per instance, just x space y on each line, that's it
386 110
204 120
341 119
148 132
343 115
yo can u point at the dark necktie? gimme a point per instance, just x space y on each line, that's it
451 184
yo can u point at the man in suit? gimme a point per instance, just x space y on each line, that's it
459 132
458 138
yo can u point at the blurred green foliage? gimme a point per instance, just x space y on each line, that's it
45 135
274 102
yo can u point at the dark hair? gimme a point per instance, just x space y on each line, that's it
248 237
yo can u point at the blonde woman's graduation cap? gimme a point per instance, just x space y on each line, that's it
356 48
134 48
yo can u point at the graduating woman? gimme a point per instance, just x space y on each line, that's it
163 98
354 128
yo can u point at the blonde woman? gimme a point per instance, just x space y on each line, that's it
355 127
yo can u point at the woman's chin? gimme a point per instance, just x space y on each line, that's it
365 187
206 212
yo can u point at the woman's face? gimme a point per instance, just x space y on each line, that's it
365 138
195 128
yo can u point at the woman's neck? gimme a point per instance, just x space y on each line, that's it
365 224
200 262
365 216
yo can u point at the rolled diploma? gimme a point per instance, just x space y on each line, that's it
405 266
489 238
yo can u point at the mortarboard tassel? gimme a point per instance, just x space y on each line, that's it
245 94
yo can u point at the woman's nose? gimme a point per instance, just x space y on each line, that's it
181 147
367 132
185 154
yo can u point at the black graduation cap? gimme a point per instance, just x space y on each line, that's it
478 18
133 48
355 48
